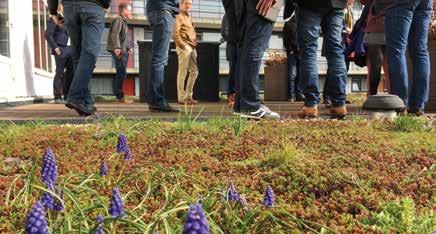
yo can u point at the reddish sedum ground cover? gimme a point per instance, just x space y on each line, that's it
337 176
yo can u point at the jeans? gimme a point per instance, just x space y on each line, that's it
232 57
256 37
85 23
293 74
408 24
162 23
64 74
121 67
310 22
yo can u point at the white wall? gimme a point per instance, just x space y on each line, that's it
19 80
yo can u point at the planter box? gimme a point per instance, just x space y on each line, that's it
276 82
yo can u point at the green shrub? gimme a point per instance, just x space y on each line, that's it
401 217
410 124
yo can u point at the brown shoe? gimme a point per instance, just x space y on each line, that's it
308 112
338 112
125 100
191 101
182 102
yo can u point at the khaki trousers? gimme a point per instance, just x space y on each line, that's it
187 63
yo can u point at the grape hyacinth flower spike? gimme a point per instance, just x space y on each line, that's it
116 208
49 170
99 225
47 200
232 194
57 204
269 198
123 147
196 221
103 169
36 221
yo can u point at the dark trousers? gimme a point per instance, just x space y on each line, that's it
64 74
121 67
232 57
375 58
85 23
256 35
295 89
162 24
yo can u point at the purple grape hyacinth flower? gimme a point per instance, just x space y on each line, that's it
123 147
269 198
47 200
36 221
99 225
122 144
103 169
232 194
196 221
49 170
116 208
57 204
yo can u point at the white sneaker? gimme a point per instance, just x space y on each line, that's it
263 113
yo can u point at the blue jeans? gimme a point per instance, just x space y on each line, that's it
408 24
121 67
255 41
310 22
85 23
162 24
232 57
64 73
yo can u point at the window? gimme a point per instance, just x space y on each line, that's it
4 28
358 85
42 52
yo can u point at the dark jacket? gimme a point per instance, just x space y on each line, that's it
157 5
56 36
317 4
53 4
118 35
232 27
290 36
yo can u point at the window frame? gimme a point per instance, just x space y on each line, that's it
41 31
4 58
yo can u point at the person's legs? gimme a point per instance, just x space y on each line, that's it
298 88
89 22
68 77
232 51
256 39
397 26
309 22
183 60
292 74
374 63
121 68
193 74
386 70
57 82
72 23
162 25
418 50
337 73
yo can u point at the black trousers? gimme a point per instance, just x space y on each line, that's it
64 74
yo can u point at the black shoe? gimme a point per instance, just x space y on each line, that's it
162 108
299 98
291 99
416 111
81 109
327 102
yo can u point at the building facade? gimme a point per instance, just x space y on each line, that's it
27 67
